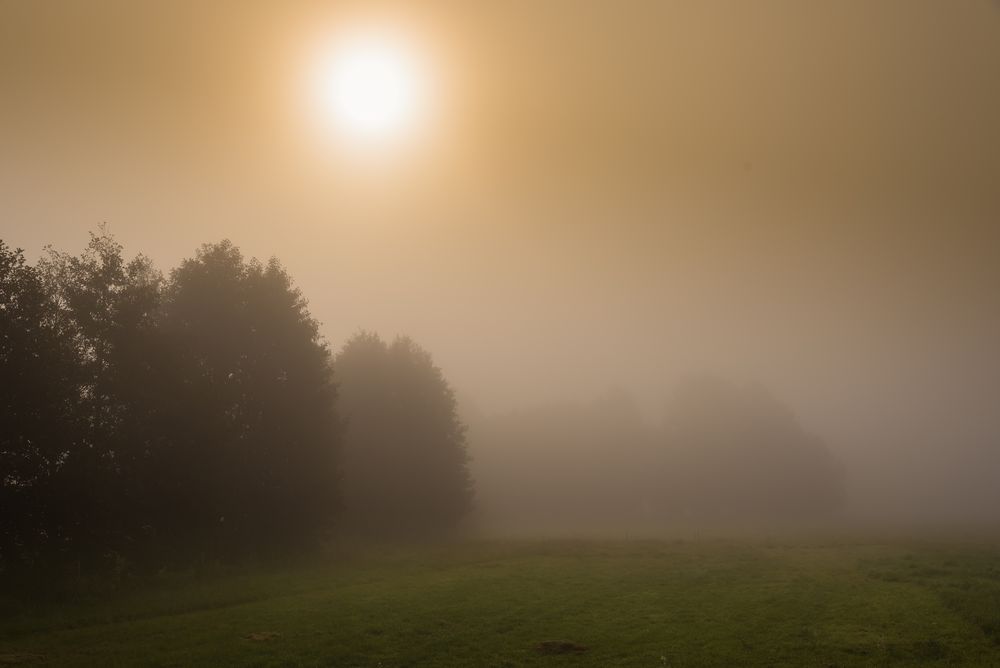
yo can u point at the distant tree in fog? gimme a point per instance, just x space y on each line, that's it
737 452
724 453
405 463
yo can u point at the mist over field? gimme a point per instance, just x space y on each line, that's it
801 198
320 278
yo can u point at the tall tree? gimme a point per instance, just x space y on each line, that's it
250 460
137 414
105 307
405 461
40 419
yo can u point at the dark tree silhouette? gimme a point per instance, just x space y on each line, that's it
405 462
105 308
141 418
249 458
40 424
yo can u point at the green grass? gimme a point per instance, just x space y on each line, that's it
635 603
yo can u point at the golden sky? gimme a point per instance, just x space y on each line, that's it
804 192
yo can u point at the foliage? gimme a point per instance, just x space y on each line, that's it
40 422
104 308
143 416
249 457
405 461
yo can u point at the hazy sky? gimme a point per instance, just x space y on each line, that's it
607 193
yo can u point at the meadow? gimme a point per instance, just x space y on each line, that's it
706 602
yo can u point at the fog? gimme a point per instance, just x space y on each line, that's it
609 202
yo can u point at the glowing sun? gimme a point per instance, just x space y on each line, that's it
372 87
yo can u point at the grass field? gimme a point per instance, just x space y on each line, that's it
548 603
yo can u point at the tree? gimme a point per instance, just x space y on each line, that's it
405 461
249 458
105 308
739 453
140 415
39 417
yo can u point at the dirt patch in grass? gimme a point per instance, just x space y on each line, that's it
559 647
19 658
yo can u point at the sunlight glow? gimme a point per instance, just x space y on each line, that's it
372 87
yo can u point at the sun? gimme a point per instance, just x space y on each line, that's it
372 87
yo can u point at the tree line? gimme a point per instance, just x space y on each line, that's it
723 454
152 417
149 418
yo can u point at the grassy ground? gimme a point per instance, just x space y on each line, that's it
671 603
